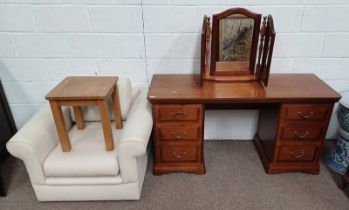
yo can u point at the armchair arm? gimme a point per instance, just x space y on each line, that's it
35 140
134 138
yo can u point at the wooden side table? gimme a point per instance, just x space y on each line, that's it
85 91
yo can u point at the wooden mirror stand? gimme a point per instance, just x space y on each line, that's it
230 50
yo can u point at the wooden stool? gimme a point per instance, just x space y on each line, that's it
85 91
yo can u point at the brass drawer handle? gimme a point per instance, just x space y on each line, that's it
302 115
178 137
178 156
301 136
174 114
298 155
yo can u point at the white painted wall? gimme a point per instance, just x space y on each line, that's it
42 41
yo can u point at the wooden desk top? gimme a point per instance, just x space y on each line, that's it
86 87
281 88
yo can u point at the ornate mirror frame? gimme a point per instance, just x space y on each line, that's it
223 66
265 51
205 46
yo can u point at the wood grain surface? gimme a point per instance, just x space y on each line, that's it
281 88
87 87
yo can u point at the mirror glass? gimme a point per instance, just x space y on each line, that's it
235 42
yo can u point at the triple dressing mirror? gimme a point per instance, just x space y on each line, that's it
234 49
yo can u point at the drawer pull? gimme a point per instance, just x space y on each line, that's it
174 114
178 156
178 137
301 136
298 155
302 115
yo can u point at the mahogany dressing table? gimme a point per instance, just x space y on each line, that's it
294 109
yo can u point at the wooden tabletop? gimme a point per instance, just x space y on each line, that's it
281 88
83 87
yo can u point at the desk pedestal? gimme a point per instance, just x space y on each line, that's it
179 138
290 137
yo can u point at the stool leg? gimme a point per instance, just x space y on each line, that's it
108 136
116 108
60 126
79 117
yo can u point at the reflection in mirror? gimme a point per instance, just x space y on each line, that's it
235 42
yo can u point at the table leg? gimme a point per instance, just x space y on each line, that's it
60 126
117 108
345 181
79 117
2 184
108 136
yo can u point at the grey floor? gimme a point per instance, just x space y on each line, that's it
235 179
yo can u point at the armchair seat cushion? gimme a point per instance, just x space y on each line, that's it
88 156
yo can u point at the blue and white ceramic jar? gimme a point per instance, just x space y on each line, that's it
338 160
343 113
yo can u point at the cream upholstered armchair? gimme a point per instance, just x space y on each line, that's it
88 171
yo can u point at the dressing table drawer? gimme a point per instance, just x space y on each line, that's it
305 112
179 133
178 112
297 153
301 132
179 153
